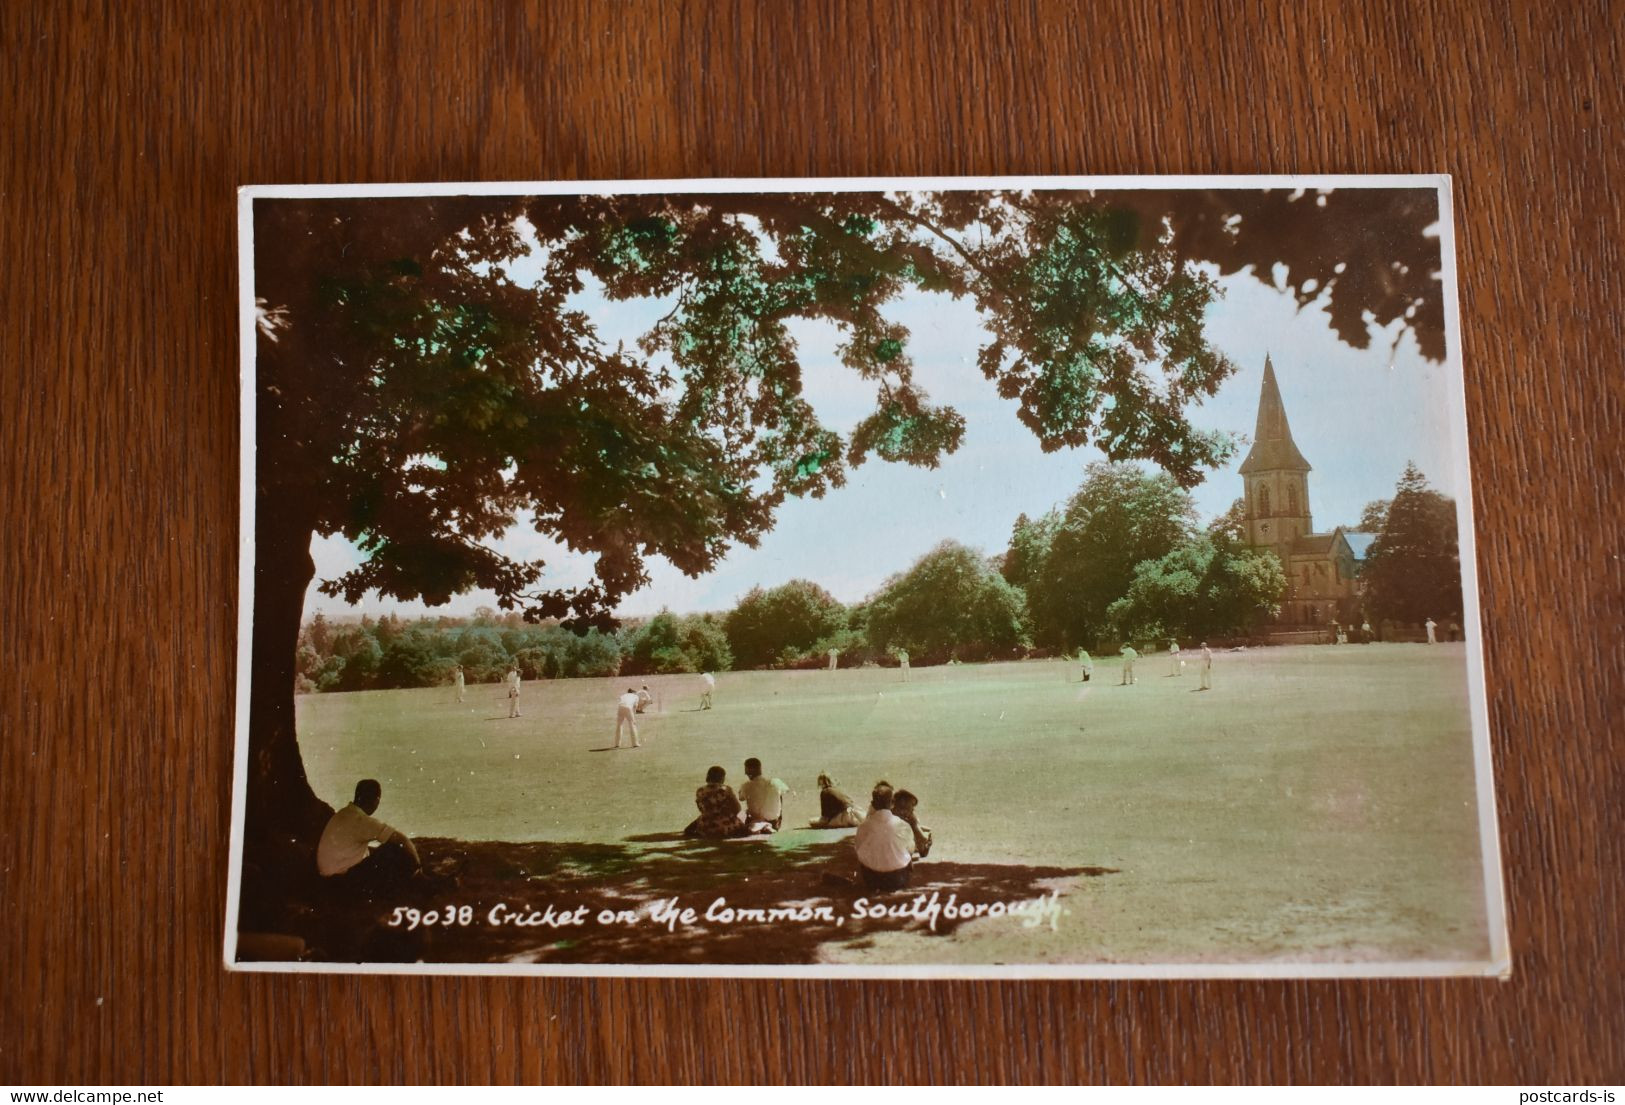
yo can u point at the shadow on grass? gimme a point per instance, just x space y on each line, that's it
797 870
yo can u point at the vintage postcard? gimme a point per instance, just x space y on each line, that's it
1010 577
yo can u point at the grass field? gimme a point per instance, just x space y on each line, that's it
1318 804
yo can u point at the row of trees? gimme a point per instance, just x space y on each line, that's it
1123 559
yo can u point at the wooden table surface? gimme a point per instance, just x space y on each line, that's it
127 128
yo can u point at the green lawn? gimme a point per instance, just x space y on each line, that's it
1318 804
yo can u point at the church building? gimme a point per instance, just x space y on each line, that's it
1322 569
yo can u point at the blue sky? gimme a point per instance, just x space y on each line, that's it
1357 415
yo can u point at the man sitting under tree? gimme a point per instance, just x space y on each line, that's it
763 799
885 844
346 854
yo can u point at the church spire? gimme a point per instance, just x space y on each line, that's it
1273 448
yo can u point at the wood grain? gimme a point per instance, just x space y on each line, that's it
127 128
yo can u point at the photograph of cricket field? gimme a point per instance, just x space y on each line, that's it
1317 805
1001 580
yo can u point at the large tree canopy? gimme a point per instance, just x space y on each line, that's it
415 395
952 604
1120 517
1413 569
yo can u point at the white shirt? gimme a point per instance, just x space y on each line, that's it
345 839
710 680
884 841
629 700
763 797
1207 658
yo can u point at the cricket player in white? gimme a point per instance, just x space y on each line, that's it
1175 663
1129 656
513 692
1431 626
705 695
459 681
1087 663
833 654
902 662
626 716
1207 668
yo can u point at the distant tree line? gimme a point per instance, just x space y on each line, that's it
1124 559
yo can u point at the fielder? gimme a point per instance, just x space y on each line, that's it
458 680
1087 662
902 663
1175 661
705 695
626 711
513 692
1129 656
1207 668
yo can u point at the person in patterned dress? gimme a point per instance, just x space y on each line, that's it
719 809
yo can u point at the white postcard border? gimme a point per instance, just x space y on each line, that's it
1499 963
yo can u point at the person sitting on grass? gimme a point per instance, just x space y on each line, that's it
836 810
884 843
719 809
763 799
904 804
345 853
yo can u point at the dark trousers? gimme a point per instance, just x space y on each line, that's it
885 880
388 868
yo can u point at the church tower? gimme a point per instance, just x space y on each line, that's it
1276 477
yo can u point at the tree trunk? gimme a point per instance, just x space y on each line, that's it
283 817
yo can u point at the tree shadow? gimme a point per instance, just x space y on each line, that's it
811 878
